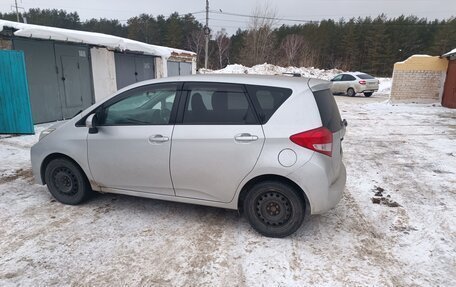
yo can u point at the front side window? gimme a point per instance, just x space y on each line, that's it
144 106
337 78
217 104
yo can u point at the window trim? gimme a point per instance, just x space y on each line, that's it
185 96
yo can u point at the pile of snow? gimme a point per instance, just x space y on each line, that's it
384 86
269 69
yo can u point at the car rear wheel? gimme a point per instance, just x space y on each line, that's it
274 209
67 182
351 92
368 94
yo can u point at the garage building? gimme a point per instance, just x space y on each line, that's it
69 70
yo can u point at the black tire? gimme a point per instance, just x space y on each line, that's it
351 92
368 94
67 182
274 209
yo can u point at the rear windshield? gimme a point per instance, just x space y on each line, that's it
365 76
269 99
329 112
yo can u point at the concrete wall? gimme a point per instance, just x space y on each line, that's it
6 44
103 72
420 78
161 69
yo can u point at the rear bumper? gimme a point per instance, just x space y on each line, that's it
364 89
313 178
336 190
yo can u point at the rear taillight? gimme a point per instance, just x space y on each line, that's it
362 82
319 140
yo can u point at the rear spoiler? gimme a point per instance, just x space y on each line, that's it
318 85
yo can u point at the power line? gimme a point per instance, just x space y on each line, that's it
263 17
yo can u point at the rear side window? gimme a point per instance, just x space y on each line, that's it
348 78
365 76
329 112
222 104
268 99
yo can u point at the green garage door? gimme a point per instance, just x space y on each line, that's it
15 115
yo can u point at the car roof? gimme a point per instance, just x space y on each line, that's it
298 83
354 73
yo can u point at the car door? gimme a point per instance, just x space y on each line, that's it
347 82
130 150
336 84
216 141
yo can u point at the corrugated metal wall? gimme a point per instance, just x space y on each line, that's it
15 114
133 68
179 68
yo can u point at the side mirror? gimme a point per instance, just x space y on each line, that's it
90 123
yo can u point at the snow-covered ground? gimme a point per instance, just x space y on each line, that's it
311 72
406 154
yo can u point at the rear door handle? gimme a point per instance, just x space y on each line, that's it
158 139
245 138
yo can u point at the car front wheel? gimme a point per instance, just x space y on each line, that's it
274 209
66 181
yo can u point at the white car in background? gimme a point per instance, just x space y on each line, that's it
354 83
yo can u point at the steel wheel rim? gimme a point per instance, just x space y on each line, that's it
273 208
65 181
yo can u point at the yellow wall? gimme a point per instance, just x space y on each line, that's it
422 63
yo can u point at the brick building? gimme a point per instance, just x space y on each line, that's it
420 78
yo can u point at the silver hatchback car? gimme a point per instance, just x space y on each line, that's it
269 146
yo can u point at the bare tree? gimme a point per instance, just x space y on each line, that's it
195 41
259 39
223 45
309 56
292 46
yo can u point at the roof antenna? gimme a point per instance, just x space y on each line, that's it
293 74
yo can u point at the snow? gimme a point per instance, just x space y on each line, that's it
269 69
310 72
12 153
99 39
409 150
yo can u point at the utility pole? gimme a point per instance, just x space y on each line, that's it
207 31
17 10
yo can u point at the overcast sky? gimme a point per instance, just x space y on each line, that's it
289 9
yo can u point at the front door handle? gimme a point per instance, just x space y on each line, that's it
158 139
245 137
